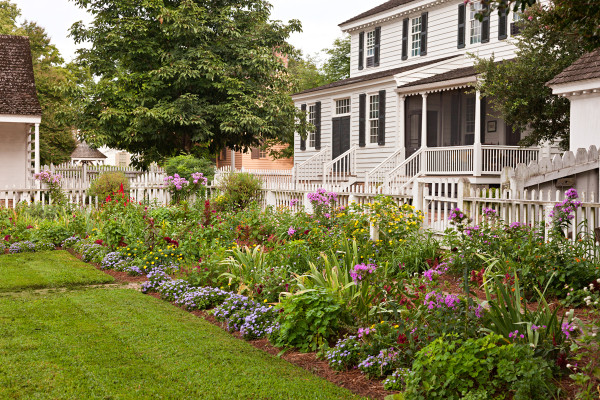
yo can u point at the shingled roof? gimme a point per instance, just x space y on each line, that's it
376 75
587 67
388 5
84 151
17 85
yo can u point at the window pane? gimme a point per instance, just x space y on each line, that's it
342 106
475 23
416 37
311 120
370 44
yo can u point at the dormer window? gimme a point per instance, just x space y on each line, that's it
416 37
475 24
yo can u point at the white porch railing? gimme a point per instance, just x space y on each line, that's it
495 158
341 169
312 169
449 160
404 174
378 174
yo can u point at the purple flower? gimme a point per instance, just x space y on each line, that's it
291 231
360 271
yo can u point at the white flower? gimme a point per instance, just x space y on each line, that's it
585 289
568 365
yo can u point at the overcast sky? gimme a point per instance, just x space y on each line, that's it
320 19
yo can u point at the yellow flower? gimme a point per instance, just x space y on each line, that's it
265 301
396 326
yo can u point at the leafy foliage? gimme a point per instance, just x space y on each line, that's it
108 183
451 368
186 165
238 190
195 73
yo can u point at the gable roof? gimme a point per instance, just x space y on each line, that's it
17 84
388 5
586 67
375 75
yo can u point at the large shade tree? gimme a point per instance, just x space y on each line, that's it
172 75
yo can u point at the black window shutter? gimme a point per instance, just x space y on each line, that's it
461 25
303 124
377 49
485 24
362 114
361 50
254 153
318 125
381 130
502 26
405 38
424 18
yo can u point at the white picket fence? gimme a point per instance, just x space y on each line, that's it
436 198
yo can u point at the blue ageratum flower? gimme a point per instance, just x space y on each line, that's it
25 246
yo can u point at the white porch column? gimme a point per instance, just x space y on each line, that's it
477 156
424 122
402 126
424 133
37 149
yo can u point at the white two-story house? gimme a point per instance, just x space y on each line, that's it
409 108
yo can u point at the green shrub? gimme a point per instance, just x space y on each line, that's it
238 190
53 232
107 183
450 368
185 166
309 320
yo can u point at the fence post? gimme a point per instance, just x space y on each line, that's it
270 199
418 201
308 207
374 231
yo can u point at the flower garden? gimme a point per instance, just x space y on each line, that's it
488 311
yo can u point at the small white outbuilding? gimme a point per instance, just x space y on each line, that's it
20 114
580 83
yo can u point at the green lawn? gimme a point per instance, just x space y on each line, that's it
48 269
121 344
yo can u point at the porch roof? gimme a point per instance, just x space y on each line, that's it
459 73
376 75
18 95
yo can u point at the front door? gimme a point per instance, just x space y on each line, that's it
340 139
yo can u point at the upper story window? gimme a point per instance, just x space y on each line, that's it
312 119
370 44
475 24
342 106
416 36
373 118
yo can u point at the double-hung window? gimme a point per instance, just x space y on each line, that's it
312 120
416 36
370 48
475 24
373 118
262 153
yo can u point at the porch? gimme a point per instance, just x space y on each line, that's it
448 131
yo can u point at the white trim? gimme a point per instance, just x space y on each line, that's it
24 119
390 15
588 86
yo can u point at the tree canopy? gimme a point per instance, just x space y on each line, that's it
55 84
517 88
173 75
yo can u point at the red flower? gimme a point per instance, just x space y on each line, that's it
121 189
402 339
29 227
99 241
7 238
306 232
